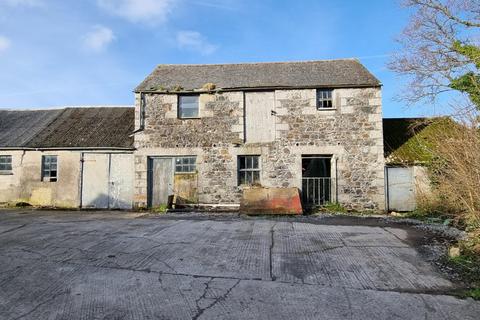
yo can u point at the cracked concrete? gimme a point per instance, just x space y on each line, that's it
57 265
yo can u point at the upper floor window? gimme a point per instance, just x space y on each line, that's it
324 99
185 164
188 106
5 164
248 170
49 168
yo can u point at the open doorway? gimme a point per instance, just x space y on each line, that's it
316 180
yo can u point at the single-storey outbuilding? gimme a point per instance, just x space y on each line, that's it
407 154
72 157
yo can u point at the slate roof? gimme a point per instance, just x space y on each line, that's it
307 74
104 127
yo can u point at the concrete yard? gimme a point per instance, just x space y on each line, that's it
74 265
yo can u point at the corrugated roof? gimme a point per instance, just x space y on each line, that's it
103 127
307 74
17 128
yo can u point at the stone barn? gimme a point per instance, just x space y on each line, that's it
73 157
205 133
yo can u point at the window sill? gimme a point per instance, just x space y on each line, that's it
326 109
250 186
189 118
6 173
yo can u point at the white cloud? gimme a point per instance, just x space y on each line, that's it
98 39
195 41
22 3
147 11
4 43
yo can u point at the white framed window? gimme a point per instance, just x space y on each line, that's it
49 168
5 164
248 170
185 164
325 99
188 106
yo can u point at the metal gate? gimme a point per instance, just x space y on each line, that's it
107 181
316 191
316 180
400 188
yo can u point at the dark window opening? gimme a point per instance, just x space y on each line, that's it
324 99
188 106
248 170
316 167
49 168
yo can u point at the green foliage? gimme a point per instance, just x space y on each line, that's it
419 148
160 209
468 267
334 207
428 214
468 83
473 293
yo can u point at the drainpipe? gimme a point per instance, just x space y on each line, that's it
336 179
82 160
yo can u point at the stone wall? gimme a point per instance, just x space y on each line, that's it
351 133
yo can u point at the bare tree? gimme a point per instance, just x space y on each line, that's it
440 49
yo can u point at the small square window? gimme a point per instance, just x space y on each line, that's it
188 106
324 99
6 164
248 170
49 168
185 164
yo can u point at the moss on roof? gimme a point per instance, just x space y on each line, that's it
409 141
304 74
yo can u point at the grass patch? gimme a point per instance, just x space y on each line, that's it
160 209
336 208
427 217
333 207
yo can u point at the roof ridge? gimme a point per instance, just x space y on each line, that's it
23 110
346 72
57 108
252 63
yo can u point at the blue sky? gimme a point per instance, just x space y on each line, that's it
94 52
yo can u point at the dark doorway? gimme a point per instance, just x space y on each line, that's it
316 179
